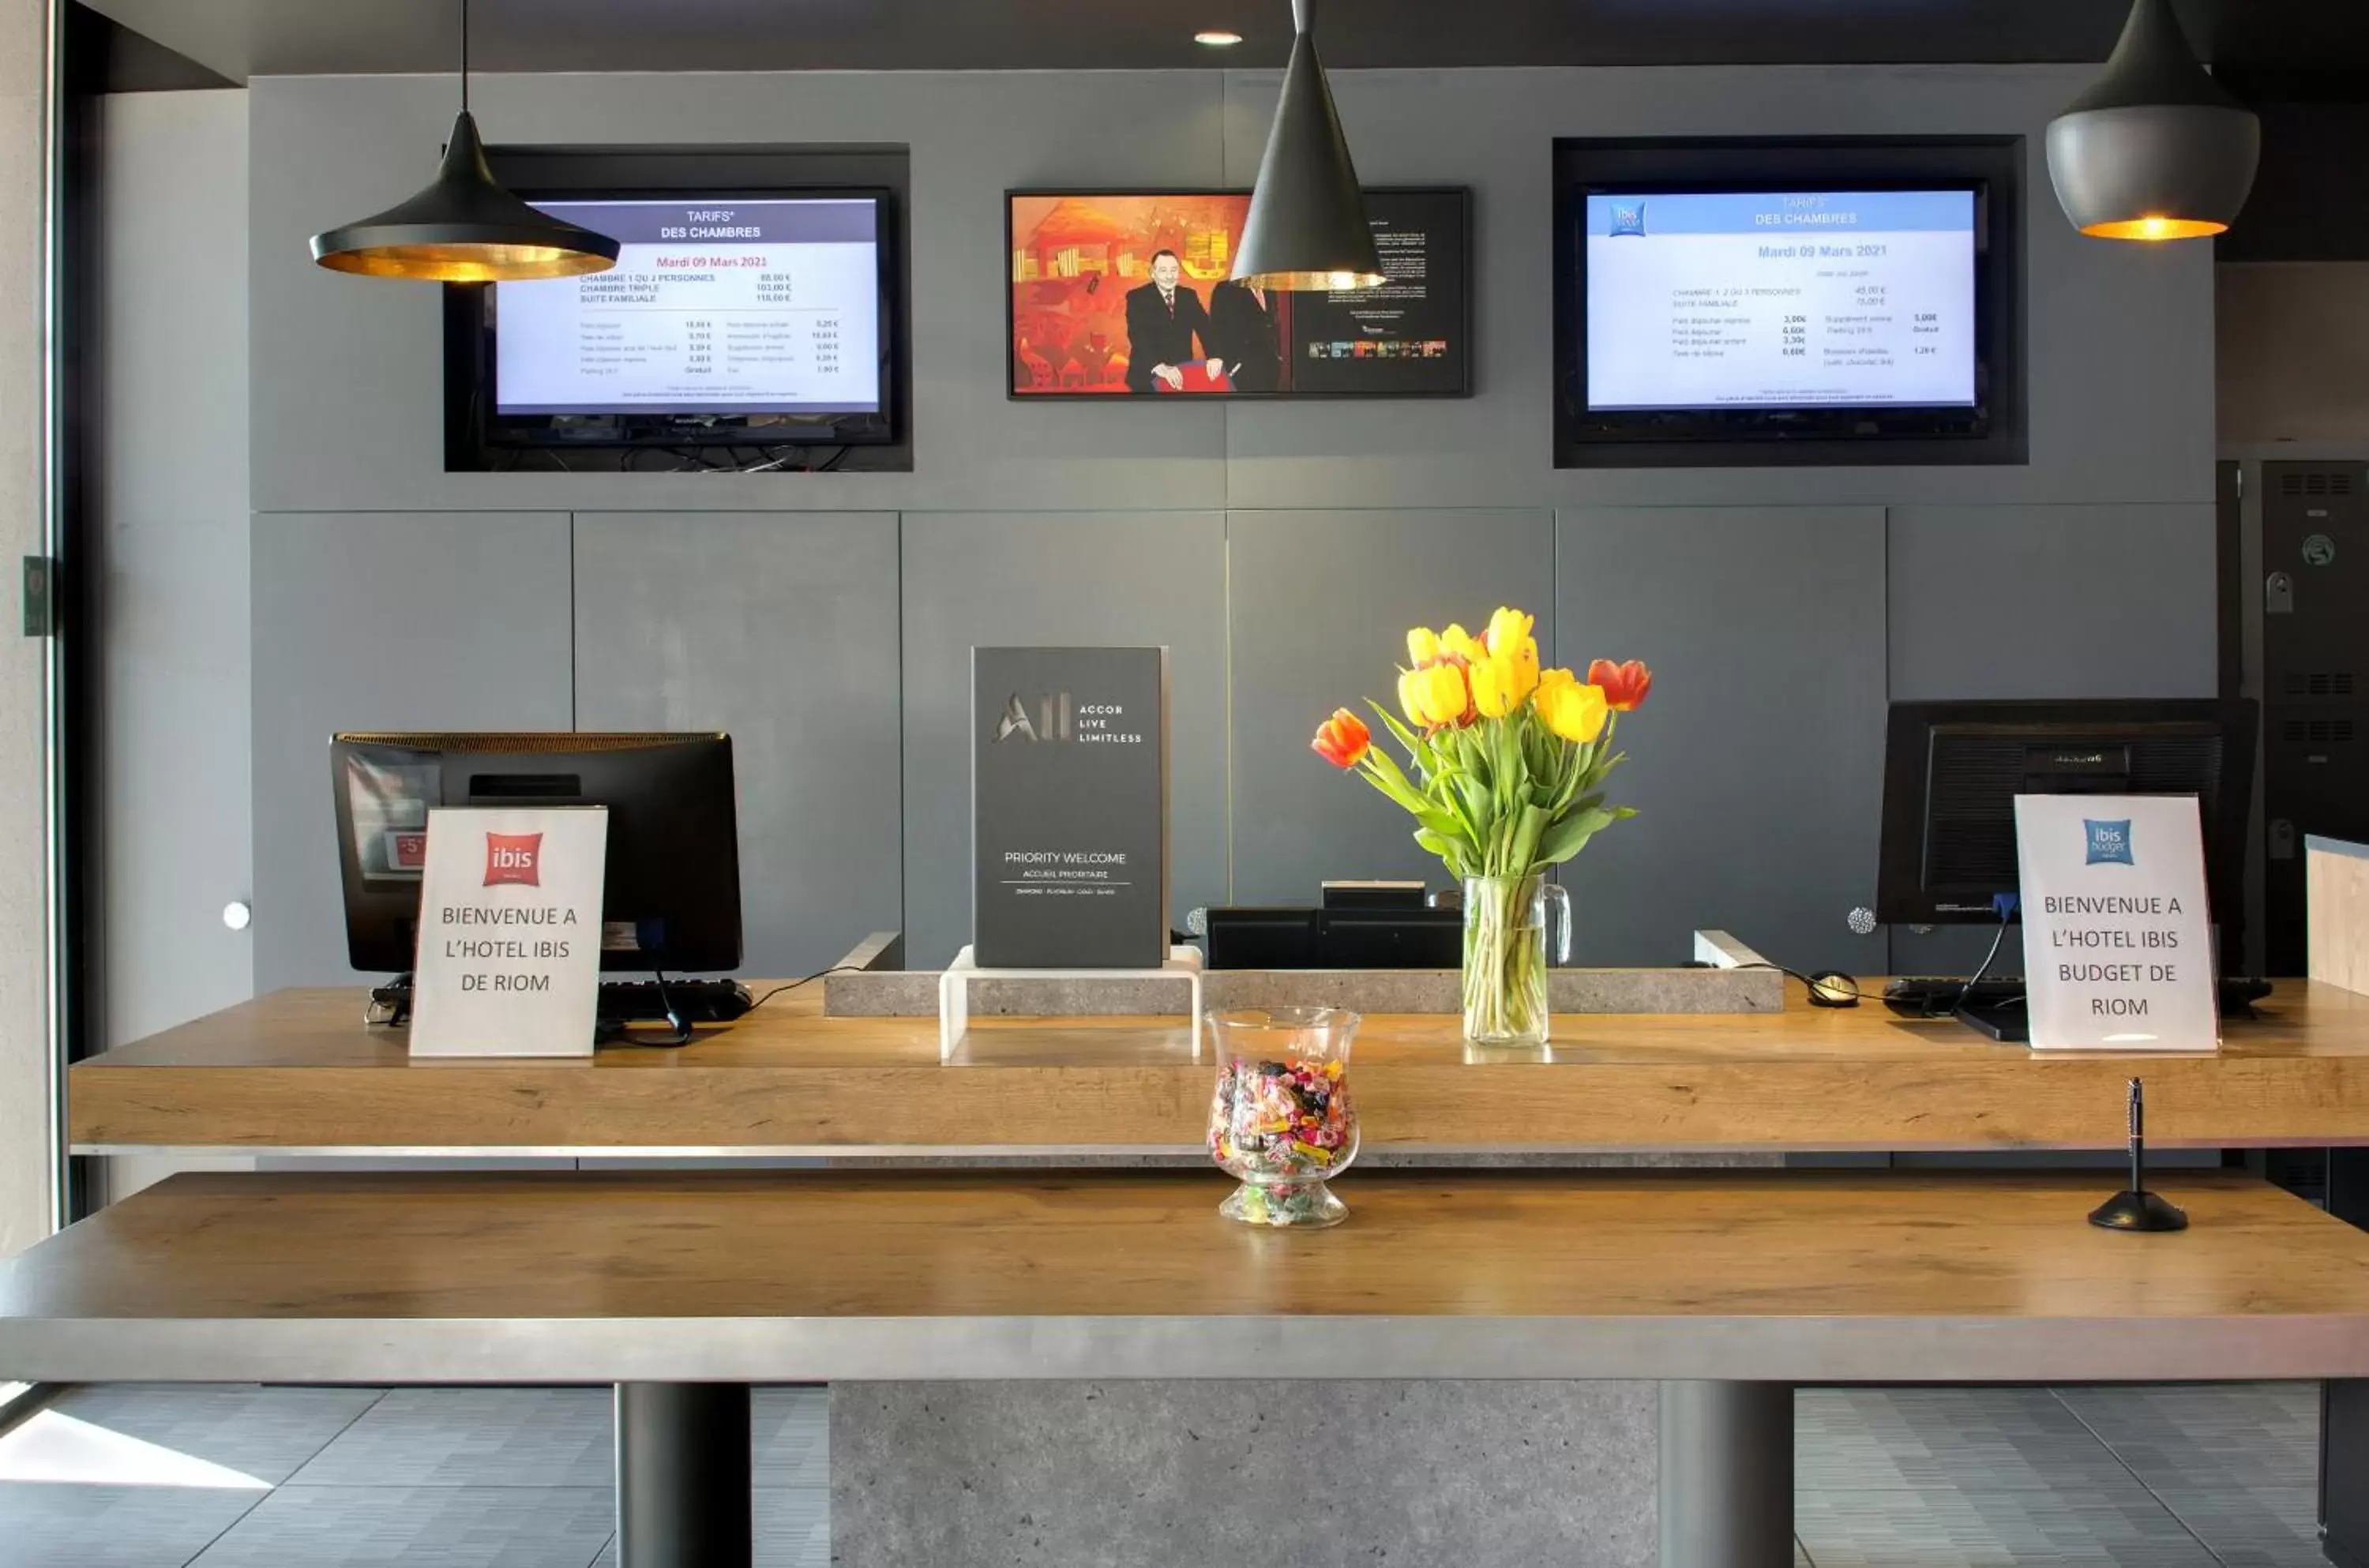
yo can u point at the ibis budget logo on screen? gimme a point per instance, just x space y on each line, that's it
1628 218
514 858
2109 842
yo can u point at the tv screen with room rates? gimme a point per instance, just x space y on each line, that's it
1780 299
716 307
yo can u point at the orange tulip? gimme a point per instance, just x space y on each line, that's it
1624 685
1343 740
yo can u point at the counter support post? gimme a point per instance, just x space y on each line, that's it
1727 1475
682 1475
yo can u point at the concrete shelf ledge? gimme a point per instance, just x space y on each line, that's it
1729 984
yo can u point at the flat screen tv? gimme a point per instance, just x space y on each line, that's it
751 319
1730 311
1117 295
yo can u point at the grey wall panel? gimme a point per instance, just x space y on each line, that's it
1087 579
327 150
2119 339
2045 602
1320 605
1756 763
173 495
383 620
782 630
2052 602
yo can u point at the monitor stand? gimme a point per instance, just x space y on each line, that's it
2008 1023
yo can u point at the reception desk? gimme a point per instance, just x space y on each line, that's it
300 1073
1538 1310
1510 1298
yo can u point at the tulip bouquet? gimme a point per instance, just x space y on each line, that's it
1504 773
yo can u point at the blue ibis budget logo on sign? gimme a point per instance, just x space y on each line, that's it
1628 219
2109 842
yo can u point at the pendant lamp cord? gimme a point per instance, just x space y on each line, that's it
465 56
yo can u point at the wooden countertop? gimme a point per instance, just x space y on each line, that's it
574 1277
298 1070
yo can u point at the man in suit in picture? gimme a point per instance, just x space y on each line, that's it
1163 319
1242 333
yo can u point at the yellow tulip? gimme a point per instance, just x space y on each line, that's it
1509 639
1572 710
1423 646
1493 687
1509 630
1458 643
1523 664
1435 695
1411 696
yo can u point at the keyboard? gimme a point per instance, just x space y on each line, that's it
621 1001
696 1001
1937 996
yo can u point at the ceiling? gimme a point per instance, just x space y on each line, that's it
244 38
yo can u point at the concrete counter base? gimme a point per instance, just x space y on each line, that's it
1315 1474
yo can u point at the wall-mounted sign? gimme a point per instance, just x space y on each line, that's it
1131 294
1069 796
2117 935
509 963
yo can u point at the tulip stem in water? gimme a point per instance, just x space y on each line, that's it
1505 962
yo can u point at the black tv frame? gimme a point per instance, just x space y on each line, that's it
1993 433
673 833
1902 896
733 173
1012 393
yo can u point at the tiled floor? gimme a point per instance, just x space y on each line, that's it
356 1478
244 1477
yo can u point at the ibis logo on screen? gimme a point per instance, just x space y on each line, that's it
2109 842
514 858
1628 218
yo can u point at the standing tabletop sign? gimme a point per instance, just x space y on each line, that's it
2117 935
509 962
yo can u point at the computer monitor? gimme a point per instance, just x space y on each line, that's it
672 896
1951 771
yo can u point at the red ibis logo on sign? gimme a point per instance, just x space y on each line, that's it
513 857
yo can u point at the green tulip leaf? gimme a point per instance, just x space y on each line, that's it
1568 837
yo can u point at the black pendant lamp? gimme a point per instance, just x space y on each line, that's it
464 228
2157 149
1307 227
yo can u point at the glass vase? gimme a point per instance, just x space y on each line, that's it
1505 957
1282 1123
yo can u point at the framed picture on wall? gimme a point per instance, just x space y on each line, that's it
1127 294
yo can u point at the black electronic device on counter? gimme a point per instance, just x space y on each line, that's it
1351 938
1951 772
670 897
1374 894
680 1004
1940 996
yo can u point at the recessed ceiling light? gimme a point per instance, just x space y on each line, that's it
1218 38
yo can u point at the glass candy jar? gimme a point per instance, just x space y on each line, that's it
1282 1122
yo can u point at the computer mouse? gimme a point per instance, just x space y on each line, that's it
1832 988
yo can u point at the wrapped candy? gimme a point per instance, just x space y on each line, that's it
1282 1121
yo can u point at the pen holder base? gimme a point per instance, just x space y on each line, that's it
2137 1211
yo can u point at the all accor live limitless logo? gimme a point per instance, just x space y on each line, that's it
1057 719
1054 719
514 858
